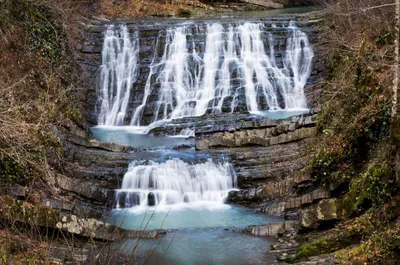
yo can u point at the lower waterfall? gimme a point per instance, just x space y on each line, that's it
175 183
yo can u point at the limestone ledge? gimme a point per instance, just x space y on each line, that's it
273 229
280 189
93 143
85 189
295 203
265 133
18 210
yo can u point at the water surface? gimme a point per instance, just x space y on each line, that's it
198 215
135 137
200 247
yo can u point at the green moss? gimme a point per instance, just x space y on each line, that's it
18 210
46 34
369 188
317 247
325 162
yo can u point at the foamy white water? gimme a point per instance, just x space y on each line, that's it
176 184
192 83
117 74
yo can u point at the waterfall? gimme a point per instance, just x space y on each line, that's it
117 74
187 132
175 182
237 67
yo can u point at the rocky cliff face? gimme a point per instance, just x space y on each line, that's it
269 157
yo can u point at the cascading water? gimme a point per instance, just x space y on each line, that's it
117 74
193 83
234 69
175 182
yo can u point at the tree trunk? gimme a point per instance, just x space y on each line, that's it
396 60
395 118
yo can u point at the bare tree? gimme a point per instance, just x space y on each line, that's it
396 59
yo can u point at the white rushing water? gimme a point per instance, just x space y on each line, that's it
191 83
117 74
211 76
176 184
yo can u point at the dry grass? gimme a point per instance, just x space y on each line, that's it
37 78
138 8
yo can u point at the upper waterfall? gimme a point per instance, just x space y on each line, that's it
206 68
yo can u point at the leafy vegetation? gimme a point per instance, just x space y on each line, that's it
355 157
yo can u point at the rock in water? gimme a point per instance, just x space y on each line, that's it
151 199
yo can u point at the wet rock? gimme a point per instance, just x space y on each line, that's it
245 196
232 194
182 146
151 199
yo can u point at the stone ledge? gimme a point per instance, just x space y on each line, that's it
93 143
85 189
239 122
280 208
255 137
21 211
273 229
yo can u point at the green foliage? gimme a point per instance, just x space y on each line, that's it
74 113
325 162
45 33
12 172
386 38
369 188
352 126
380 236
33 259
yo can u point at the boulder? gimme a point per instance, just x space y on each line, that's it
151 199
245 196
308 217
329 209
324 210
